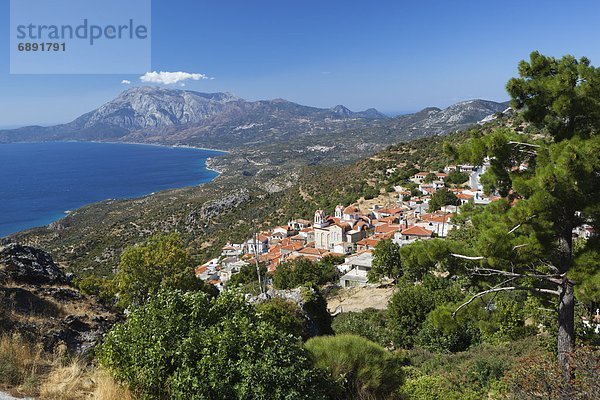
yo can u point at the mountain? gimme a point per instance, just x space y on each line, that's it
150 108
437 121
224 121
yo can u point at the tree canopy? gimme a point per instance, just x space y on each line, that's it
187 345
386 262
161 262
551 186
442 197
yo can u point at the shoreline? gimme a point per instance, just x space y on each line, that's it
172 146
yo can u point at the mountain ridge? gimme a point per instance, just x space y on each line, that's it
223 121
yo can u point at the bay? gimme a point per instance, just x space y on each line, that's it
39 182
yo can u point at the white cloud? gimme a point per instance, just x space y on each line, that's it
170 78
126 82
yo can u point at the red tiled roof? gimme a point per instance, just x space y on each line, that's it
201 269
437 217
386 228
350 210
369 242
312 251
416 231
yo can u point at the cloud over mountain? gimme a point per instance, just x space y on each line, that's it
170 78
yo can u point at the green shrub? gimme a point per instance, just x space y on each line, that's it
369 323
426 387
161 262
443 333
247 277
104 288
285 315
302 271
315 306
187 345
411 303
363 368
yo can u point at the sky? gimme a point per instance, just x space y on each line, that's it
397 56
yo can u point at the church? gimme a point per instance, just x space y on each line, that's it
340 233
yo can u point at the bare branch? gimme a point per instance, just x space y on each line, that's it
524 144
519 246
467 257
521 224
504 289
491 272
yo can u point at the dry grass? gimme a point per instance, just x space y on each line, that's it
107 388
20 363
26 370
78 381
67 382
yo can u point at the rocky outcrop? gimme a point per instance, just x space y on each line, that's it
213 209
23 264
37 300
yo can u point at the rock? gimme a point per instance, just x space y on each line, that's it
32 285
212 209
25 264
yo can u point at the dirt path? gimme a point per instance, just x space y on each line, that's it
358 299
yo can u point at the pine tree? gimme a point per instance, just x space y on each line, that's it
551 184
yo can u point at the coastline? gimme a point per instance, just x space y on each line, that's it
174 146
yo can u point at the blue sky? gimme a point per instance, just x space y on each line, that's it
396 56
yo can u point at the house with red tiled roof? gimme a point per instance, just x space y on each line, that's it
411 234
465 198
367 244
386 228
290 248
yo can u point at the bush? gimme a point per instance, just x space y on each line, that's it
427 387
302 271
161 262
285 315
247 276
539 377
190 346
443 333
369 323
410 304
457 177
315 306
363 368
473 374
104 288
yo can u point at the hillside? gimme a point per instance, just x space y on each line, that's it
90 240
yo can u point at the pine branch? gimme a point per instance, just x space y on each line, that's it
504 289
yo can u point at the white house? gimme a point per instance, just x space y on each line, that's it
355 270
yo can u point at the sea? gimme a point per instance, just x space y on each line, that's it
42 182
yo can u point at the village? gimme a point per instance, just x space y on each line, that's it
355 230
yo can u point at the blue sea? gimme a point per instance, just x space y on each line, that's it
40 181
